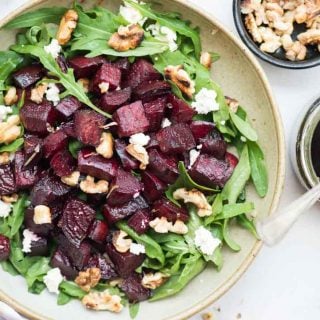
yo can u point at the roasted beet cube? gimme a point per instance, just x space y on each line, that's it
48 190
131 119
37 118
214 144
154 112
125 263
133 288
113 100
76 220
127 161
62 63
85 67
28 75
42 229
149 90
61 261
114 214
96 165
166 208
98 231
139 222
210 171
32 149
39 247
153 143
123 64
232 160
200 129
181 111
164 167
154 188
68 129
175 139
107 73
7 180
104 264
4 248
88 126
124 188
141 70
68 106
62 163
54 142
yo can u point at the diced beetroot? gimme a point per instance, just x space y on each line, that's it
61 261
37 118
133 288
62 163
88 126
76 220
85 67
154 112
141 70
4 248
131 119
125 263
28 75
166 208
105 265
181 111
40 229
68 129
68 106
232 160
113 100
39 247
107 73
214 144
54 142
124 187
127 161
98 231
153 143
62 63
25 177
201 128
33 150
164 167
96 165
7 181
154 188
114 214
139 222
210 171
149 90
123 64
48 190
175 139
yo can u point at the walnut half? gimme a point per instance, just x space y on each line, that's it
102 301
90 186
162 225
88 279
9 130
153 280
121 242
67 24
140 153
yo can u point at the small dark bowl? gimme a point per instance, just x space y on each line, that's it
278 58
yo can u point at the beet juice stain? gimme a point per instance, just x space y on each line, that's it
315 150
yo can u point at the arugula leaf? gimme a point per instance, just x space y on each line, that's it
8 267
71 289
217 208
13 146
37 287
63 298
244 127
37 271
15 219
248 224
134 310
227 239
234 209
74 147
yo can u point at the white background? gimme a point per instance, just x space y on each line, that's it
284 282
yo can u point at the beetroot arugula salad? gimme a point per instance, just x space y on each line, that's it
122 163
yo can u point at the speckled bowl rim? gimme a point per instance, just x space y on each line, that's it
190 311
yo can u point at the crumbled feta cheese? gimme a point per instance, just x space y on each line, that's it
52 93
193 154
53 279
4 112
136 195
205 101
205 241
243 139
132 15
139 139
165 123
164 34
5 209
137 248
199 146
28 237
53 48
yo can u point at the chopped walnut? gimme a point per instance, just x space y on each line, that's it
85 84
102 301
38 92
197 198
249 6
11 96
90 186
270 46
153 280
179 227
42 215
312 36
233 104
181 78
121 242
206 59
297 51
127 38
162 225
67 24
140 153
273 6
88 279
105 148
71 180
253 28
207 316
4 158
115 282
301 14
9 130
12 198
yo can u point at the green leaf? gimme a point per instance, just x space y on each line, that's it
133 310
217 258
9 61
74 147
248 224
226 237
8 267
37 287
63 298
215 56
15 219
13 146
71 289
217 208
244 127
37 271
234 209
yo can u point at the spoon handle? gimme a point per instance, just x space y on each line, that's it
272 229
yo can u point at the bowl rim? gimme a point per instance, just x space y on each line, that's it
246 38
280 176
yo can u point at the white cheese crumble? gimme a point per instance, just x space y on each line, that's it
53 48
193 155
205 101
199 146
164 34
5 209
165 123
132 15
205 241
137 248
139 139
52 93
4 110
53 279
28 237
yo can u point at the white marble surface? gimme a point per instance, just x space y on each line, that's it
283 281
